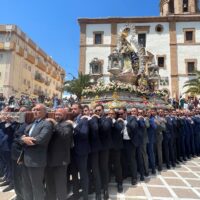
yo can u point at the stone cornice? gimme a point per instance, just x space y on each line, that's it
150 19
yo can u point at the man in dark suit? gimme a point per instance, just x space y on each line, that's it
36 140
159 137
80 151
137 140
152 137
15 154
58 157
105 129
115 152
168 135
95 144
129 151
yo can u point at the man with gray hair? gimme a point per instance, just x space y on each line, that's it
36 139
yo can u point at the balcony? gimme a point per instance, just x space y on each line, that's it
59 88
47 83
38 92
39 78
58 78
35 91
29 57
1 45
41 65
19 50
54 74
7 45
48 70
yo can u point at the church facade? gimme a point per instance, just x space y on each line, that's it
173 38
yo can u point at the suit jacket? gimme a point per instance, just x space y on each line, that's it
132 128
152 130
36 156
169 131
181 129
196 120
117 135
105 128
161 127
142 133
16 145
60 145
94 138
3 141
81 137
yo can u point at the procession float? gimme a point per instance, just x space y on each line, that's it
134 77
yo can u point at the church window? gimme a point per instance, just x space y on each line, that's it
142 39
98 38
185 5
189 35
191 66
171 6
161 61
159 28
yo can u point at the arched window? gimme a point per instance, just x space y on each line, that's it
95 66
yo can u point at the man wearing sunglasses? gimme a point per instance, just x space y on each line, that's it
129 153
105 127
95 144
80 151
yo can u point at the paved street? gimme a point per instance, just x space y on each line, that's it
182 183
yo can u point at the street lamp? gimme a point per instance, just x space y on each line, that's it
72 75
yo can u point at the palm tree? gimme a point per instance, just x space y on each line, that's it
193 85
76 85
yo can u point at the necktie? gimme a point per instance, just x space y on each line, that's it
32 128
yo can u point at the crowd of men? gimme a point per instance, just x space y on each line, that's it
29 102
40 160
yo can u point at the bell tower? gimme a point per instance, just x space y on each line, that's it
178 7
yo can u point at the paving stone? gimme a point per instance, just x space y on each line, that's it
168 174
6 195
138 191
195 169
187 175
154 181
194 183
159 192
175 182
185 193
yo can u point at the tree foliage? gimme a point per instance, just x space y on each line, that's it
77 85
193 85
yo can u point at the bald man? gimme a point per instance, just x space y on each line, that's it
35 142
58 157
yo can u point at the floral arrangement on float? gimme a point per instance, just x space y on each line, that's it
101 88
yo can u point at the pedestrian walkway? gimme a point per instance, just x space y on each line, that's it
181 183
7 195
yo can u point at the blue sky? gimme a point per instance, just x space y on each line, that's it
53 24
